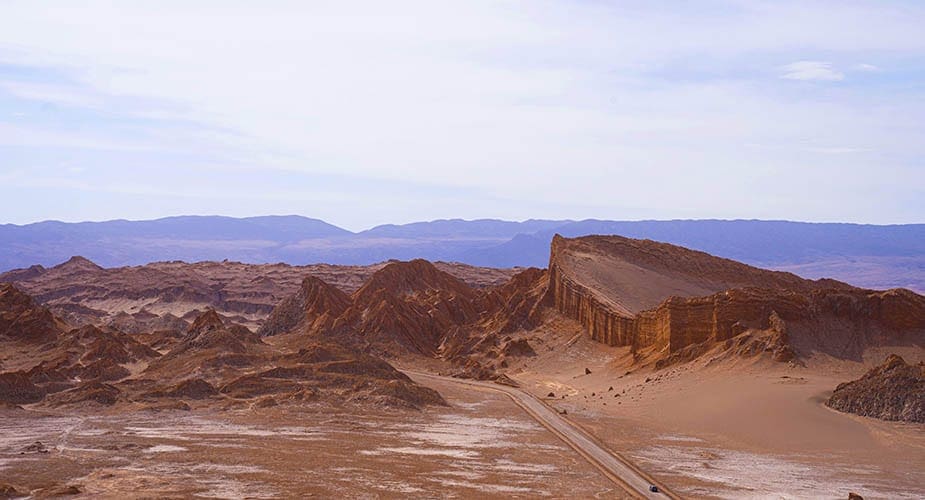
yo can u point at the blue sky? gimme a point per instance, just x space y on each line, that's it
363 113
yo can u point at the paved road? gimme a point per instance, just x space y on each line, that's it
635 482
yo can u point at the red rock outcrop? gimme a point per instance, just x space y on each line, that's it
414 307
195 388
409 306
207 338
22 319
314 308
325 369
516 304
894 390
205 323
104 344
143 322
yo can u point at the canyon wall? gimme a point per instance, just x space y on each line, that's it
575 301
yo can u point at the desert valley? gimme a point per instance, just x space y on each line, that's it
626 368
462 250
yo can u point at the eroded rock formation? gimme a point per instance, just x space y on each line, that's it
214 360
414 307
140 299
315 307
22 319
894 390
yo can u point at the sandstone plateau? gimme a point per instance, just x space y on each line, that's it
662 299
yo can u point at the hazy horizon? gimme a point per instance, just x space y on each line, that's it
460 219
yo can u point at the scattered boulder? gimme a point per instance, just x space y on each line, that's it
36 447
518 347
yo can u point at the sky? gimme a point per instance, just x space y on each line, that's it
363 113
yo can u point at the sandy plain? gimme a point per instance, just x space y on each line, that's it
481 446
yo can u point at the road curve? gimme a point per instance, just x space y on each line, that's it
619 470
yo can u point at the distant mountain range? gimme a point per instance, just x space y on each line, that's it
864 255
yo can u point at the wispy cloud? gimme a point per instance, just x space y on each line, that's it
50 93
837 150
869 68
811 71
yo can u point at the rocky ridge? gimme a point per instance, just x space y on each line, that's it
410 307
164 295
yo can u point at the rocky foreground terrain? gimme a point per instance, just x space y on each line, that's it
894 390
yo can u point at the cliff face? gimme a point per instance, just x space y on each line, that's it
819 315
603 321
